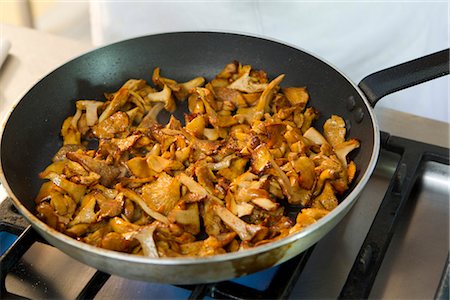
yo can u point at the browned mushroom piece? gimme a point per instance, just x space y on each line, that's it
246 83
107 172
245 231
163 96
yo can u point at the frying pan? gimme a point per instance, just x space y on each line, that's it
31 134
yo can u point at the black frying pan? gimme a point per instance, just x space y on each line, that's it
31 134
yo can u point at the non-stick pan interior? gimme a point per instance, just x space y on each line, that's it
31 136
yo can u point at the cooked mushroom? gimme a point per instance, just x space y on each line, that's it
70 134
256 112
327 199
247 84
315 136
164 96
150 118
187 87
265 203
187 215
297 96
344 148
107 172
143 205
111 126
117 102
334 130
245 231
91 107
163 194
87 213
306 217
145 237
76 191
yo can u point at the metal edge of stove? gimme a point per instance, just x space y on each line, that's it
443 289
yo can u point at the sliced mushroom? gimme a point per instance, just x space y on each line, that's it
185 88
109 207
334 130
145 237
162 194
297 96
344 148
132 195
244 209
256 112
245 231
76 191
120 98
86 214
187 215
164 96
196 188
306 217
107 172
91 107
206 146
247 84
265 203
327 199
315 136
150 118
119 225
70 134
113 125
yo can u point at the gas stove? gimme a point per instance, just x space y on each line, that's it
394 243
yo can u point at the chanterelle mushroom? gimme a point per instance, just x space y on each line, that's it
107 172
247 84
91 107
344 148
256 112
245 231
164 96
334 130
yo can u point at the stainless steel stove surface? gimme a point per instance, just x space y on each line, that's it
396 248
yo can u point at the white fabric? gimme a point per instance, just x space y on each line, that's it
5 45
358 38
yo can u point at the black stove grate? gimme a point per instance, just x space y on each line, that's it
360 279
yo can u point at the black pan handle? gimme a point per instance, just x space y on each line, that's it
377 85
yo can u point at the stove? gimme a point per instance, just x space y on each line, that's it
394 243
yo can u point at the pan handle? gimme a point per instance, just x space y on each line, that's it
379 84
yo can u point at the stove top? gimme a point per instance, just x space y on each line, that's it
394 243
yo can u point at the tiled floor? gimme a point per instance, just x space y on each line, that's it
65 18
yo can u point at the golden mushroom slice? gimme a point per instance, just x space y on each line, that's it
120 98
91 107
164 96
247 84
344 148
334 130
245 231
145 236
256 112
297 96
